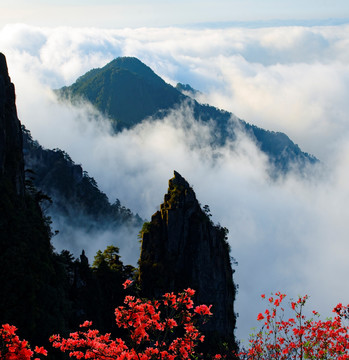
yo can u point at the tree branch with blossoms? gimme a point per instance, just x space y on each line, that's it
298 337
13 348
161 329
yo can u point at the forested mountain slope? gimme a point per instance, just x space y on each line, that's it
128 91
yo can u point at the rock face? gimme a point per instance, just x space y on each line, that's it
11 156
182 248
29 272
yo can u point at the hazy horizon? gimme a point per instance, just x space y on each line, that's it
163 13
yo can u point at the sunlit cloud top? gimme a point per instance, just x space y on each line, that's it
292 79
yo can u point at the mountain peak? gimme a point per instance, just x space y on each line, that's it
126 90
11 156
178 179
181 248
3 66
133 65
179 194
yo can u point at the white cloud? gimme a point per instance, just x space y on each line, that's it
291 79
289 235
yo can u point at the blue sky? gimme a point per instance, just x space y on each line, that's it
137 13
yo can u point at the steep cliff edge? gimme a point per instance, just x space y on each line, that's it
182 248
32 291
11 157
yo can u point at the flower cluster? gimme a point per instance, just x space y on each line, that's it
298 337
167 329
162 329
12 348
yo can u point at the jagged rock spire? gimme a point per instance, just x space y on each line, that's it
181 248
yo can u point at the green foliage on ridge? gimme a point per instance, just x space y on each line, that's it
125 90
75 194
128 91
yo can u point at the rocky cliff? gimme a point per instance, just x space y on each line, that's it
32 295
11 157
182 248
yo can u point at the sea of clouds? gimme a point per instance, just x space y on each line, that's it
289 234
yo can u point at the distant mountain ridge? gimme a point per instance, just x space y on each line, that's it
77 201
128 91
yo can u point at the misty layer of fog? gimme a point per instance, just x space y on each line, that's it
289 235
77 238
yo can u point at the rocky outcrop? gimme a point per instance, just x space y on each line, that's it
181 248
11 157
31 278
